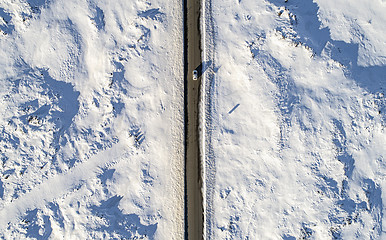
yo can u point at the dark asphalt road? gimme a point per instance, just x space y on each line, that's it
194 209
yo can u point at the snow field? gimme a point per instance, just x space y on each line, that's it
92 119
295 133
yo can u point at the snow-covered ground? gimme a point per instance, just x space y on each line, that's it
294 119
91 125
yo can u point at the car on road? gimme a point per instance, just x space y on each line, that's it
195 74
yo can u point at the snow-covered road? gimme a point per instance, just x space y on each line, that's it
60 185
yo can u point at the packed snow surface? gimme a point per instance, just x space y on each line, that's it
91 101
294 119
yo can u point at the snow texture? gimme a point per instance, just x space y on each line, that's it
91 99
293 119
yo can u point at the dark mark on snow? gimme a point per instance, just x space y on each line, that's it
234 108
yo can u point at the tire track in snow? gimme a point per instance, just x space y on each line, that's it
61 184
208 116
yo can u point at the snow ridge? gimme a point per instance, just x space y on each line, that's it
208 115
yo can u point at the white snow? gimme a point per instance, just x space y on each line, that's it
91 119
362 23
293 117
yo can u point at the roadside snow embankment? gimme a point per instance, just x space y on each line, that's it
294 120
91 119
